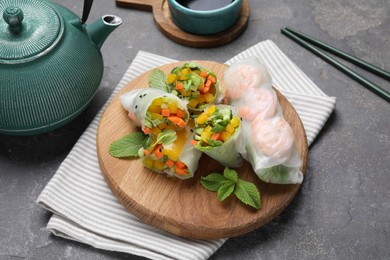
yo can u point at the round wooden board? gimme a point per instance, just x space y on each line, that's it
184 207
164 22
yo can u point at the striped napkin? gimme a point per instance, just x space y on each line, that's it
85 210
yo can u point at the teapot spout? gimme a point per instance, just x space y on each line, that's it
100 29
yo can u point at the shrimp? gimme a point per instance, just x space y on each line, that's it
273 137
260 102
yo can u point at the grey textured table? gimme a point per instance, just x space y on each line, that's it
343 208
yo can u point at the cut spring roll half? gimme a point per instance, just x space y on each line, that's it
272 151
243 75
218 134
174 156
154 110
195 84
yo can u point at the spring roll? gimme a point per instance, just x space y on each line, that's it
195 84
244 75
218 134
176 156
272 151
154 110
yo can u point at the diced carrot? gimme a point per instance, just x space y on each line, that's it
208 84
203 74
147 130
201 88
170 163
179 86
146 152
157 151
216 136
181 171
177 121
193 142
212 79
165 112
181 164
180 113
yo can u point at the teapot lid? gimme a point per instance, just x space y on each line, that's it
28 30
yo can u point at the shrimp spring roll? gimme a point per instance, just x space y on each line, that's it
218 134
195 84
172 153
272 151
154 110
243 75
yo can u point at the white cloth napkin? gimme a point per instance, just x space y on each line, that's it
85 210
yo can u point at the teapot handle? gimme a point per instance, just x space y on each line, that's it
86 10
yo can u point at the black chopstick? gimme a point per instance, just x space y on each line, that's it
361 63
365 82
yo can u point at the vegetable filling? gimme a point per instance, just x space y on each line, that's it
164 113
163 155
193 83
215 126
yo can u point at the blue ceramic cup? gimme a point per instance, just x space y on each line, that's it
205 22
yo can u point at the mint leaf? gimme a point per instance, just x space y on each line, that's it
213 181
248 193
225 189
128 145
230 174
157 80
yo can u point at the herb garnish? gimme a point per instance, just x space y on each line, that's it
128 145
228 183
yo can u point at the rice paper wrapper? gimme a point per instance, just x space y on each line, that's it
137 102
229 153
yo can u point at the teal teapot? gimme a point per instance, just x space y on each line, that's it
50 64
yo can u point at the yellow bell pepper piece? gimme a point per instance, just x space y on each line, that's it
201 99
183 73
230 129
202 118
193 103
159 165
235 122
172 106
156 130
204 135
209 97
157 102
174 149
154 109
211 110
171 78
148 162
225 136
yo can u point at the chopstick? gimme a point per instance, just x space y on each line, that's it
361 63
365 82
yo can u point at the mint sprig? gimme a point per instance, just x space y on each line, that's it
157 80
128 145
229 183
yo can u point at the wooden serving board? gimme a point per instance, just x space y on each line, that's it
164 22
184 207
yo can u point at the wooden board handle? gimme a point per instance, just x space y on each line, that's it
146 5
